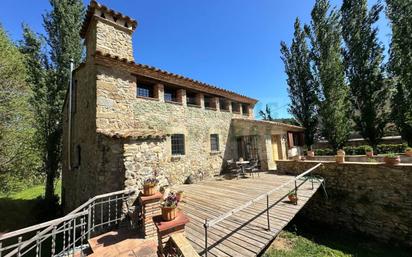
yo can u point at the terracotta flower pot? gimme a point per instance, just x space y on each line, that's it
168 213
392 160
340 158
408 153
369 154
149 190
311 153
341 152
293 198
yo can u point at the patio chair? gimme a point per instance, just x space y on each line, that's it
233 168
253 168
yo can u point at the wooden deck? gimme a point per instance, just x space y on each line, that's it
245 233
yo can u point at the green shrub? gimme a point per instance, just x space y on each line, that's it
361 150
391 148
325 151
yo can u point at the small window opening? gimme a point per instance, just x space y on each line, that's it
178 144
214 142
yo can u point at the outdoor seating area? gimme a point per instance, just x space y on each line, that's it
241 168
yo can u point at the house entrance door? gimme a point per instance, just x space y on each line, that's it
276 148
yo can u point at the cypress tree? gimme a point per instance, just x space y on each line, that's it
334 107
363 56
301 85
399 13
49 77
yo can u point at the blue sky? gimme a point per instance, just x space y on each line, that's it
232 44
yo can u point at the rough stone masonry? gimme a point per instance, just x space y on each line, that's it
371 198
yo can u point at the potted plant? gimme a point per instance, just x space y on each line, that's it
408 151
340 156
168 207
149 186
392 159
369 151
311 153
293 197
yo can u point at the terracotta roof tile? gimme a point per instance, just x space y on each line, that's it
275 123
132 133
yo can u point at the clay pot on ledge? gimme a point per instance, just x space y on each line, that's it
408 152
168 213
369 154
389 160
341 152
311 153
149 190
293 198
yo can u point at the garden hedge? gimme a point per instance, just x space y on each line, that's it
360 150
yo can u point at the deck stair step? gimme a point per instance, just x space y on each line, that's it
122 243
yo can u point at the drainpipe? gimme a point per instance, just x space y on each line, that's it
69 134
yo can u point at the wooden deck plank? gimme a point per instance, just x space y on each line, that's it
244 233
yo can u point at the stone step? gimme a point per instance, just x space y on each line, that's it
122 243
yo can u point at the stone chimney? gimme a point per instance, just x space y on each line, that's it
108 32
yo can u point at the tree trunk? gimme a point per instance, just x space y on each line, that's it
49 194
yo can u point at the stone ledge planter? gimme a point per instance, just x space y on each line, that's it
392 160
168 213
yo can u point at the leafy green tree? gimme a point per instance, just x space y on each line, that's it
334 106
18 158
49 77
302 87
363 56
399 13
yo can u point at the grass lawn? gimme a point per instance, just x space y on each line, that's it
18 209
322 242
288 244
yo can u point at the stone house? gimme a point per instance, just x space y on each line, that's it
125 121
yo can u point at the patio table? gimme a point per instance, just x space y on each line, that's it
242 165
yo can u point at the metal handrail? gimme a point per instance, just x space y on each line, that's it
213 222
50 228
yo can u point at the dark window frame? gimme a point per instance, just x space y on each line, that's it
191 98
173 94
214 143
235 107
245 109
144 90
178 144
223 104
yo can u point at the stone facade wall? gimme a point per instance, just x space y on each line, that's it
78 183
118 108
373 199
114 39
